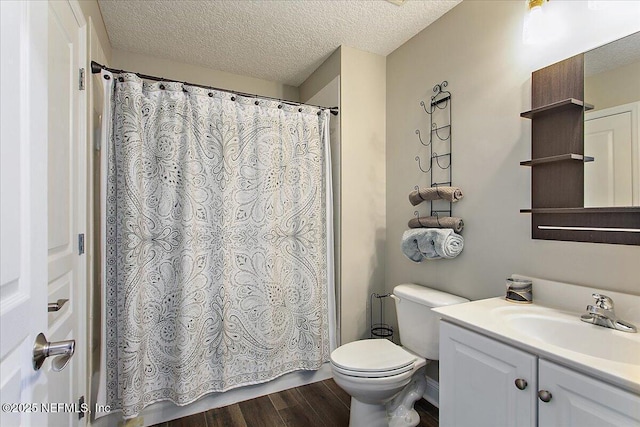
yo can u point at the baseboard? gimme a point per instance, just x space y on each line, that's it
432 392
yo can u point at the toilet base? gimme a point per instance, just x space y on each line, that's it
400 409
367 415
398 412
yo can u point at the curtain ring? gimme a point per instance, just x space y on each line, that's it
280 106
257 102
210 94
106 77
233 98
299 110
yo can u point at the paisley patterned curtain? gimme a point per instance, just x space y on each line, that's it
216 242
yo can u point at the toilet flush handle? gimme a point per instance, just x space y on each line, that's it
395 297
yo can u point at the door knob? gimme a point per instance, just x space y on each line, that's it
63 350
521 384
544 395
55 306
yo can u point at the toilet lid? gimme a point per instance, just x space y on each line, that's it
371 356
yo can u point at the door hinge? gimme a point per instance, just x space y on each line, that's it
80 244
81 407
81 79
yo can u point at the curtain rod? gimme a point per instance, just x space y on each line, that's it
96 68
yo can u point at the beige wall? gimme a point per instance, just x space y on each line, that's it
322 76
477 47
90 9
361 201
205 76
362 110
614 87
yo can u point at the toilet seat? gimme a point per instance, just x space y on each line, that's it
374 358
370 374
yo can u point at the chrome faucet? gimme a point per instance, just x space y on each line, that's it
602 314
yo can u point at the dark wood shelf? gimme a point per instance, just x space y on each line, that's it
558 158
555 107
575 211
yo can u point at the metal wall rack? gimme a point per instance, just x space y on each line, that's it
439 144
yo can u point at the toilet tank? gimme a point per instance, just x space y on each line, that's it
418 325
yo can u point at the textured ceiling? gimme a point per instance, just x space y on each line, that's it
613 55
282 41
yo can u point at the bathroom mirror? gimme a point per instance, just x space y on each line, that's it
587 189
612 127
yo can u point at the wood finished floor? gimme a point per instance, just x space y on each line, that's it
321 404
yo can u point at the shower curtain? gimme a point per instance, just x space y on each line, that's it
218 228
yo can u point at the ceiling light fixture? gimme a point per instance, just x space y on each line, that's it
597 5
540 26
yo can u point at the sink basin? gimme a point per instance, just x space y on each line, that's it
550 328
566 331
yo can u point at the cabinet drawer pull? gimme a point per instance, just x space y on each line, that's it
521 383
544 395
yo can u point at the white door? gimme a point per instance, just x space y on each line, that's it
23 206
478 381
610 138
43 184
578 400
66 203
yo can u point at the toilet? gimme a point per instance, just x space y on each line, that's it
383 379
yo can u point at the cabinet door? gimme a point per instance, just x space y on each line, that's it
579 400
477 381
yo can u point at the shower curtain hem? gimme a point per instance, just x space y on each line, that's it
205 393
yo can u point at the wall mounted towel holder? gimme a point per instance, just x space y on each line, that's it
439 144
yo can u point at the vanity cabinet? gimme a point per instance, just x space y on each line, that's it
477 381
486 383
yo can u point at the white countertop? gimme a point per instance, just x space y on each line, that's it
488 318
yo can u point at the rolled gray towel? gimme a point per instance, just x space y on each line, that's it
431 243
451 194
452 222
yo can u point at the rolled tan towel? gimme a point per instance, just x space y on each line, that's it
434 222
452 194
